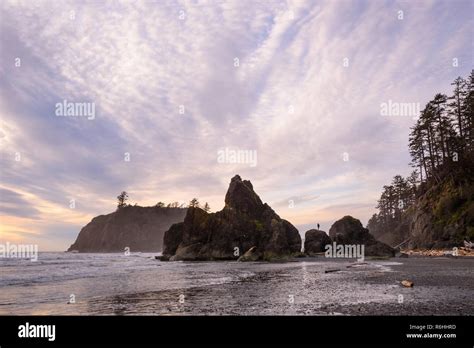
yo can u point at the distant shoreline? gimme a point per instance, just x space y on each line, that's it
412 253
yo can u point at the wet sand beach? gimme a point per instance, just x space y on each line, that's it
109 284
442 287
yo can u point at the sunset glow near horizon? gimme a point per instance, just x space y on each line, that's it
293 89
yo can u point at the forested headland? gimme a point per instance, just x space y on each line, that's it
434 206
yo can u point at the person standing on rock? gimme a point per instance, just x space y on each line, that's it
318 226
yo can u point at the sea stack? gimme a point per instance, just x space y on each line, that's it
349 230
244 223
315 242
134 227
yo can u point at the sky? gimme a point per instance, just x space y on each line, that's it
296 84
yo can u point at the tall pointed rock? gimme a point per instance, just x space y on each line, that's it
245 222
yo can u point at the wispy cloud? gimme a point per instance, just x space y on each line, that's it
299 82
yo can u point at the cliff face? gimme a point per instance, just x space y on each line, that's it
441 217
138 228
444 216
244 223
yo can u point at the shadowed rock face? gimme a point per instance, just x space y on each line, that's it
349 230
138 228
443 217
315 241
241 197
245 222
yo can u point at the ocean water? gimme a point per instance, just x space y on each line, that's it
46 285
138 284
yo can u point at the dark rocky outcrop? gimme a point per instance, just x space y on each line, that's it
138 228
439 213
440 217
172 238
315 242
243 223
349 230
443 217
